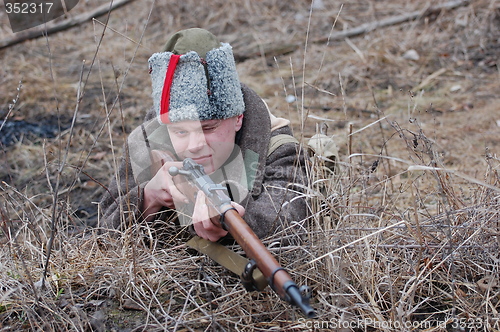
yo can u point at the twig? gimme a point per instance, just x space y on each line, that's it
430 78
52 27
179 319
12 105
56 186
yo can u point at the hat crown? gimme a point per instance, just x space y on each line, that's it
197 40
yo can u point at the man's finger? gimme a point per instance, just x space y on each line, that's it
176 194
203 225
240 209
200 212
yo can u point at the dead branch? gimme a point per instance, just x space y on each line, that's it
367 27
52 27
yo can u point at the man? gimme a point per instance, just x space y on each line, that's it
202 111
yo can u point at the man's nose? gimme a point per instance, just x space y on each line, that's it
196 141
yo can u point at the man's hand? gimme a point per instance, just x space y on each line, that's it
161 191
203 224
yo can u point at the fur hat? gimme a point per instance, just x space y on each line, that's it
195 78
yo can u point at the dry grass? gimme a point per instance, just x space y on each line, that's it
406 238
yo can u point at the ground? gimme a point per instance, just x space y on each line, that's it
411 230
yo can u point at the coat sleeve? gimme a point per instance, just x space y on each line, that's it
121 205
281 200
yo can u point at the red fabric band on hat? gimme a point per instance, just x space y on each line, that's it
165 94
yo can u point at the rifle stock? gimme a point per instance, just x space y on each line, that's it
277 277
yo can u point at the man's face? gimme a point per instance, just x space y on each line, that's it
209 143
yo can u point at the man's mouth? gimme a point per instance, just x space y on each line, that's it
202 159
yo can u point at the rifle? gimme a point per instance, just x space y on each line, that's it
277 277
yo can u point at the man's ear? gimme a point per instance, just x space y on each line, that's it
239 122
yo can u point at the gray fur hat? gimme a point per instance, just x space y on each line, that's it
195 78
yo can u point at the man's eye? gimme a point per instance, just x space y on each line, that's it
209 129
181 132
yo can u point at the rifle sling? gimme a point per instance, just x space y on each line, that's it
227 258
